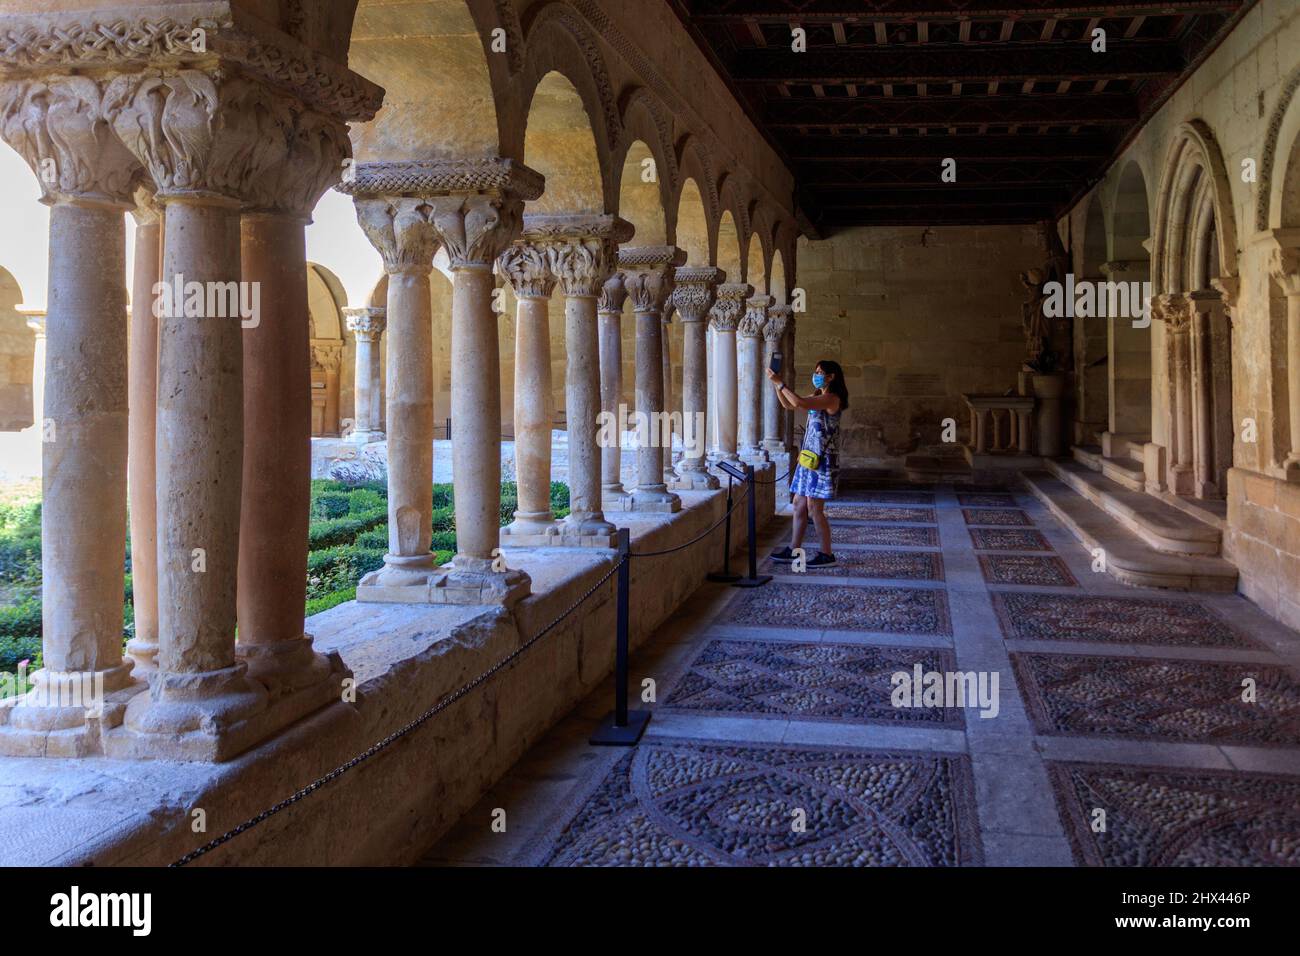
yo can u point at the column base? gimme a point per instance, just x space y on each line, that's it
755 456
217 715
1182 480
530 530
588 530
1291 469
364 437
695 479
285 667
773 446
402 580
145 655
472 581
67 715
656 499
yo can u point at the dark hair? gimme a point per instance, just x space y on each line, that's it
836 384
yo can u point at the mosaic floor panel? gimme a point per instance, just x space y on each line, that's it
902 536
986 499
1124 620
1026 569
691 804
1001 517
1199 701
890 497
891 610
845 512
900 565
1008 539
845 682
1160 817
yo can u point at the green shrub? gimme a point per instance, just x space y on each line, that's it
335 531
21 621
316 605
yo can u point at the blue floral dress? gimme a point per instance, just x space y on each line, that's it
822 436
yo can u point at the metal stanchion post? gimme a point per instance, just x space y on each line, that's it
753 579
725 576
622 728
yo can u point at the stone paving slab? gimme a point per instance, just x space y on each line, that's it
892 609
1025 616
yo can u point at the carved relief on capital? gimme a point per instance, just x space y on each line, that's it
367 323
61 126
475 229
1284 266
400 229
726 312
612 295
526 269
755 316
581 265
695 291
779 318
1174 309
648 274
1228 288
327 355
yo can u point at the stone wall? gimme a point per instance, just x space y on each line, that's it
17 347
1240 94
917 316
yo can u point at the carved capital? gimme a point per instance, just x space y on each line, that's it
444 177
755 317
1175 310
648 273
779 318
1284 266
581 265
612 295
61 126
35 320
726 312
525 267
475 229
367 323
327 355
401 231
696 289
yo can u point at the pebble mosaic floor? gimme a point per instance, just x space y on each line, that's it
777 737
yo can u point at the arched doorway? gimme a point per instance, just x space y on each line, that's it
1129 341
331 378
1091 338
17 348
1194 265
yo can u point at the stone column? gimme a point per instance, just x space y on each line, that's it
1177 321
609 308
791 379
773 334
1200 307
724 319
202 704
86 178
36 322
665 341
142 483
399 227
581 251
366 325
711 425
1284 264
750 379
648 273
695 291
477 215
276 504
525 268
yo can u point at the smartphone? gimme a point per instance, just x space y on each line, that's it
776 363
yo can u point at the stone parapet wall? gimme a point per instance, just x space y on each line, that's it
405 658
1263 541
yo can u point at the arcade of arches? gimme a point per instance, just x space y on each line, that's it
560 209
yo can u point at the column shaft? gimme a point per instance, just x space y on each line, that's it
276 497
142 457
1292 460
533 417
582 396
610 336
725 370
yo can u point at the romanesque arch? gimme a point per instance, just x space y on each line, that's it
1129 344
332 377
1194 270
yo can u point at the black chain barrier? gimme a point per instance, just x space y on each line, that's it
392 738
621 728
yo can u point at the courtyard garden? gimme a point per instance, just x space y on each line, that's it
347 538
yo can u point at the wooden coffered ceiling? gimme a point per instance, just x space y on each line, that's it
1010 89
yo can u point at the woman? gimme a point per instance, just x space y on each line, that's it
812 487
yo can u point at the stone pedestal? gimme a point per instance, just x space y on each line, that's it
1048 389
